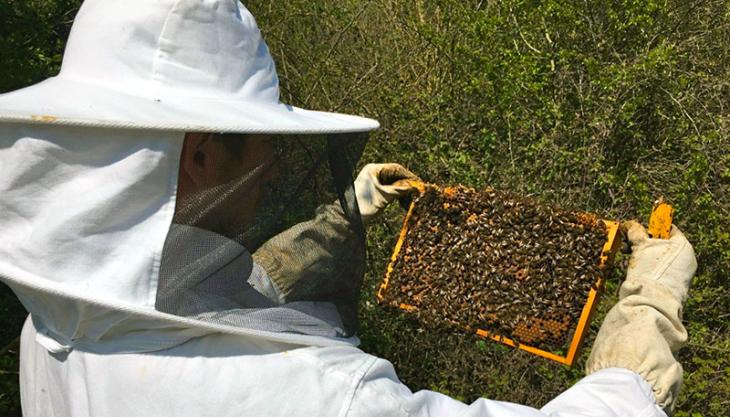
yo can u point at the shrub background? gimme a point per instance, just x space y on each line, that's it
596 105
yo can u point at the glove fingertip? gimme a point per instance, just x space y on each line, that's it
635 232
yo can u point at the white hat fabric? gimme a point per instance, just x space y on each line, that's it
182 65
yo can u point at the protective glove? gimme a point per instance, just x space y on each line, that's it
644 330
670 262
377 185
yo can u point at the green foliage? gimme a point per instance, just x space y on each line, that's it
597 105
32 36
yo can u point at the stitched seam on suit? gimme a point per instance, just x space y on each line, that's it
360 386
672 257
380 394
356 377
359 377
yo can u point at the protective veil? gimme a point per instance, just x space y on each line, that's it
237 298
93 240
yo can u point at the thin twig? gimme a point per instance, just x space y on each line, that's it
681 108
519 31
336 43
352 87
13 344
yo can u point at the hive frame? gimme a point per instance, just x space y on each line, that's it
613 242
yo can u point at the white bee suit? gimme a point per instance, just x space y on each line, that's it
220 375
84 222
89 165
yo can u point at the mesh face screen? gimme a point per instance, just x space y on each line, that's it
267 234
498 262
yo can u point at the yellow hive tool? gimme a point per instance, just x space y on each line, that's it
660 221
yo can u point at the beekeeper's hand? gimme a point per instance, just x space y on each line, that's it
377 185
644 330
670 262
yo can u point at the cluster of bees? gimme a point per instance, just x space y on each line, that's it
495 261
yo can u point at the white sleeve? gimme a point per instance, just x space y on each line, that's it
610 392
607 393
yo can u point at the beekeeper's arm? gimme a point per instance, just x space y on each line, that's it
611 392
300 260
632 370
644 330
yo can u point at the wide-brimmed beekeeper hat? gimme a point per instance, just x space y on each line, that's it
96 239
169 65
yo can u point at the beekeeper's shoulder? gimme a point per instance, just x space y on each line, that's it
370 385
347 363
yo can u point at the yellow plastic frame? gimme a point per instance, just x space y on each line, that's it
613 242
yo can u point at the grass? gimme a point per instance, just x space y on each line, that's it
597 105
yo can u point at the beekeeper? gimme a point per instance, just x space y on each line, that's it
189 246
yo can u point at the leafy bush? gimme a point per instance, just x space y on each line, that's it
598 105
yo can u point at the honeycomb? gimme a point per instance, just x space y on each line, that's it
508 267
